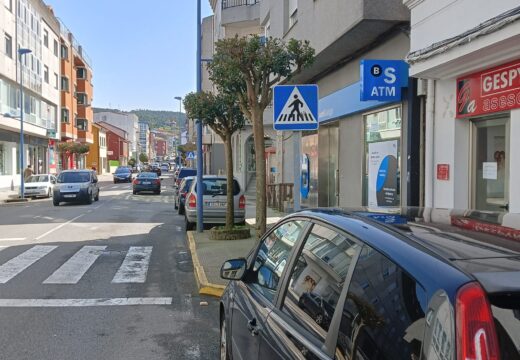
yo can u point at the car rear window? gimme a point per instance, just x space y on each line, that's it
74 177
187 172
147 175
217 186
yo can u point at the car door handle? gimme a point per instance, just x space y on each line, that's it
252 327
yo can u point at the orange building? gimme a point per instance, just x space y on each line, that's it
75 83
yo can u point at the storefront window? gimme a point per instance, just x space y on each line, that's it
382 175
491 174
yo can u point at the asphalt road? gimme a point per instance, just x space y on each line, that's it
111 280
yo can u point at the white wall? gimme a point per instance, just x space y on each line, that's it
456 15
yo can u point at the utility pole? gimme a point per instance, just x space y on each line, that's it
200 169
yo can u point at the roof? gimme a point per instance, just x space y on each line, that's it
116 130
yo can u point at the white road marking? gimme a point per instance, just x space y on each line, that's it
74 269
18 264
58 227
85 302
135 265
12 239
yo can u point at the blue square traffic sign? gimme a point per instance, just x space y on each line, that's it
295 107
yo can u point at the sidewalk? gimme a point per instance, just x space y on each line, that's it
209 255
7 193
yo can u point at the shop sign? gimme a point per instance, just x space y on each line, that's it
489 91
382 174
443 171
382 80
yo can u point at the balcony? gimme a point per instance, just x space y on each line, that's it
240 13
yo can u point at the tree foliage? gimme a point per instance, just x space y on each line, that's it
143 158
247 68
222 114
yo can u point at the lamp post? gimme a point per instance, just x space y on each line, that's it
179 120
199 128
22 52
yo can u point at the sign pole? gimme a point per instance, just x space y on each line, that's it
297 169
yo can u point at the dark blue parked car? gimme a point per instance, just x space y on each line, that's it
122 174
330 284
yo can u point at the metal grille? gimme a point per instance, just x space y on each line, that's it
232 3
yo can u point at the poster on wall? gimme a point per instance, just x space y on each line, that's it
383 174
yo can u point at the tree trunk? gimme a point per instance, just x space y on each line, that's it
230 214
261 206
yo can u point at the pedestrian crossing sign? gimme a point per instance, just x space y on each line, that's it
295 107
190 156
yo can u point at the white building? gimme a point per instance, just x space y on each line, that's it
126 121
469 52
144 139
28 24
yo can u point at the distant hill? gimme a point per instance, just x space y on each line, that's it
156 119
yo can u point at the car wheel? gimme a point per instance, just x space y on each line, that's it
319 319
89 198
224 355
158 192
49 193
115 182
181 209
97 197
55 202
189 225
134 192
176 206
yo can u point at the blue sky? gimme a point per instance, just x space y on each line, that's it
143 52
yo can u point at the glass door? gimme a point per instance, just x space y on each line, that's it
491 165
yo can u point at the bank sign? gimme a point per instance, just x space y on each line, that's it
492 90
383 79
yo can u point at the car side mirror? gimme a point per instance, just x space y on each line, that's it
233 269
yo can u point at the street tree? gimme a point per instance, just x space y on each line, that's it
248 68
223 115
143 158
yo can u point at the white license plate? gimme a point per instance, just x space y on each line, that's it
216 204
69 196
146 183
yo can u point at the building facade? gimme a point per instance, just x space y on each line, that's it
97 155
144 139
28 24
75 83
117 146
472 117
126 121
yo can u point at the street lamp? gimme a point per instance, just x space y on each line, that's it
22 52
179 119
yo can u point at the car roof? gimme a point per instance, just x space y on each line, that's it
76 170
469 253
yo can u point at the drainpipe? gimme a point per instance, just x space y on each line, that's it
429 163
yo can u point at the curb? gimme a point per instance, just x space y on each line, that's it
205 287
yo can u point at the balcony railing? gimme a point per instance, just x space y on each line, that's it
232 3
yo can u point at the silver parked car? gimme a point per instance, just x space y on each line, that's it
76 186
39 185
214 202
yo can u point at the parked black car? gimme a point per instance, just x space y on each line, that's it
183 172
181 192
156 169
122 174
330 284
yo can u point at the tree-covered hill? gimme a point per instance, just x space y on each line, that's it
156 119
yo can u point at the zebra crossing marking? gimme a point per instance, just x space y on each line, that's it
85 302
74 268
135 266
21 262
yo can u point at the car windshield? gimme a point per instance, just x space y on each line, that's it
37 178
74 177
147 175
217 186
122 171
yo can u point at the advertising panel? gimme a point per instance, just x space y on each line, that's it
489 91
383 174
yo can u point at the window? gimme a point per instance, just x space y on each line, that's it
65 115
82 99
82 124
45 38
272 257
293 12
55 47
81 73
383 316
56 81
317 279
46 73
64 83
64 52
9 5
8 45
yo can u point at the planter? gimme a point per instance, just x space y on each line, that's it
237 233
